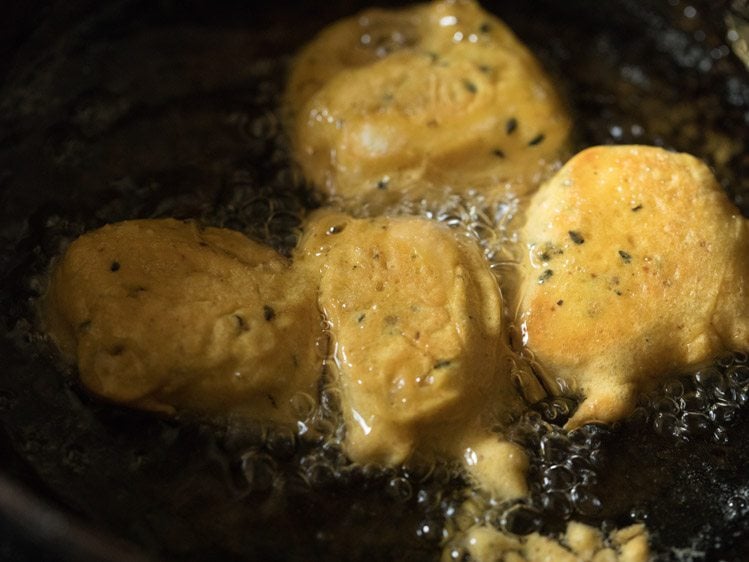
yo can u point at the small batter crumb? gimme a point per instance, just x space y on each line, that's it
580 543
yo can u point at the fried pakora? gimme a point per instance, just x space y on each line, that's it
165 315
637 269
419 102
419 351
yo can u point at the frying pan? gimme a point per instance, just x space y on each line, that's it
134 108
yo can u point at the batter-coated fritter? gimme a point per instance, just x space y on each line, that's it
418 101
638 269
415 319
165 315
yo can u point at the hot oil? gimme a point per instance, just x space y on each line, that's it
188 127
692 436
189 487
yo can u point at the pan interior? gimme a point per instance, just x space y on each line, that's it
151 109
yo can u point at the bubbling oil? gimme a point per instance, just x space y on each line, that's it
491 222
702 406
565 467
271 462
248 475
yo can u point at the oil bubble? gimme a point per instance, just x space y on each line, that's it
370 471
585 501
720 436
521 520
75 458
639 416
595 434
552 447
556 504
524 434
264 127
331 400
638 514
665 405
259 470
555 410
597 458
586 477
576 463
281 442
321 475
692 401
429 530
726 360
711 379
742 395
665 424
427 499
695 424
302 404
674 389
723 413
736 507
418 468
738 375
558 477
440 475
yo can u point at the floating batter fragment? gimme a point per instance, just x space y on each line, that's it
579 543
419 348
637 269
165 315
416 102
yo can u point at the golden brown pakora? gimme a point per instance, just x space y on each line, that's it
637 269
165 315
419 352
422 101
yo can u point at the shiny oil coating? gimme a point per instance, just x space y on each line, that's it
420 101
418 345
165 315
637 269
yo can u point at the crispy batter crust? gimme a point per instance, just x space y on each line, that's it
637 268
164 315
418 101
